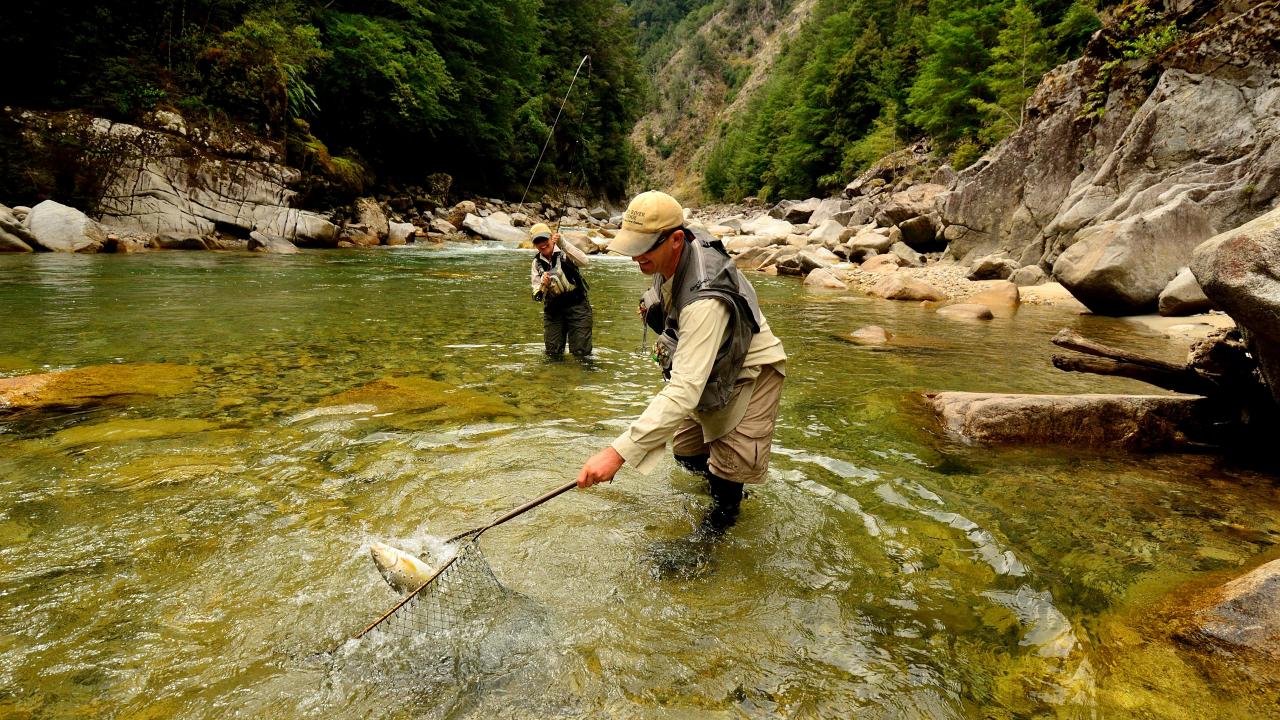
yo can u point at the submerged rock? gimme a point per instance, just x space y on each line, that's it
1094 420
418 394
124 430
1244 614
92 384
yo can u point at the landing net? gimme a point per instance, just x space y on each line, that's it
444 605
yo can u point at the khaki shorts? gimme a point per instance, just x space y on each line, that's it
742 455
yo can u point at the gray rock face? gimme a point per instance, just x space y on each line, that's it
1183 296
1120 267
185 183
1128 421
64 229
1206 132
1239 270
1243 614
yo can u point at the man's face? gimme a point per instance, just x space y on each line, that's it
661 257
544 247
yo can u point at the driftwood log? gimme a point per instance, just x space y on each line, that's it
1218 367
1106 360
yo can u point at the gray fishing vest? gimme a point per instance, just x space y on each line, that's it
705 271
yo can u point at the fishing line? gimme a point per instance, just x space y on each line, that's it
586 60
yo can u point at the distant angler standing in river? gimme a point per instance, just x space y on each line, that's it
560 287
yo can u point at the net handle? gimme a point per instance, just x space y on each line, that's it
518 511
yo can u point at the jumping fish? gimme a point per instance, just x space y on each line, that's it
402 571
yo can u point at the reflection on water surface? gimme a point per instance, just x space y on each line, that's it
199 554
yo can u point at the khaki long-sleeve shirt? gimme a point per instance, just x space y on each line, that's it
703 324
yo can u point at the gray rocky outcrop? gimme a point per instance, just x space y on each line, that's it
1119 267
1103 144
197 182
60 228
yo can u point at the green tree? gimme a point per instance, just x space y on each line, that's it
955 41
1021 56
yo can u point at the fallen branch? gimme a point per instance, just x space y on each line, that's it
1074 341
1170 377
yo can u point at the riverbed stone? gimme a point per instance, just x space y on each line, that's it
1029 275
768 227
1242 615
901 287
437 400
61 228
1092 420
739 243
837 209
993 267
125 430
871 335
870 237
907 256
1001 297
272 245
824 278
93 384
966 311
490 229
887 263
400 233
1183 296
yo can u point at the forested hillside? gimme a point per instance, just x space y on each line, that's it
382 89
856 80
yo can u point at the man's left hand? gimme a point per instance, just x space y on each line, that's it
601 467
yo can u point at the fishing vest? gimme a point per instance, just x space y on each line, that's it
567 284
706 271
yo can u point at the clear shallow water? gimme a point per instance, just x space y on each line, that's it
198 555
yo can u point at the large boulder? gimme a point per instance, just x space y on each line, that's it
1120 267
993 267
793 211
830 233
824 278
913 202
1239 270
61 228
870 238
739 243
920 232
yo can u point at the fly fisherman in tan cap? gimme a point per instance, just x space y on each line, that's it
724 367
557 284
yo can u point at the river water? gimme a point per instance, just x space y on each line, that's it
204 554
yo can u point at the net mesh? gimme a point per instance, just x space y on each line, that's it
450 604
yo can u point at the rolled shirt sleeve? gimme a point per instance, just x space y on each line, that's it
576 255
535 279
703 324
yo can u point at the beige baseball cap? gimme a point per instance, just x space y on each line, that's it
647 217
539 230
